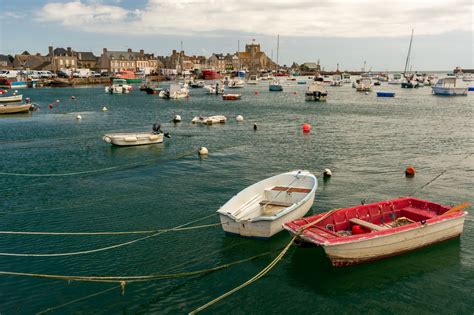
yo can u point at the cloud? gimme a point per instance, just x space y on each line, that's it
14 15
295 18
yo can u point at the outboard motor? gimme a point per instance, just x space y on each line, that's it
157 128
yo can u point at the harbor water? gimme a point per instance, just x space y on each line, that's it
58 175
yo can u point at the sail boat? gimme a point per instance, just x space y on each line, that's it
275 85
408 82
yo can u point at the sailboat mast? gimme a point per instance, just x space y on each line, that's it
238 53
278 50
408 55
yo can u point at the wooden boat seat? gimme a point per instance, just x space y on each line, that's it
368 225
292 189
275 203
424 214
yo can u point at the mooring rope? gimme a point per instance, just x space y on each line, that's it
128 279
265 270
439 175
111 233
49 309
104 248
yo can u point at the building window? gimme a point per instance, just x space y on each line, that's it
72 62
67 63
60 62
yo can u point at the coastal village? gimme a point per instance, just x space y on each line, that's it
68 60
176 183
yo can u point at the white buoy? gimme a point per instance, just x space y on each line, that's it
104 109
73 97
16 91
239 118
78 117
57 101
177 118
327 173
366 93
203 151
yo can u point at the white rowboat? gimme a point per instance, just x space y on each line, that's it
261 209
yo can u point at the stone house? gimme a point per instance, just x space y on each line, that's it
217 62
86 59
253 59
31 62
115 61
61 58
5 62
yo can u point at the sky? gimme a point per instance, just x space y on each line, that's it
344 32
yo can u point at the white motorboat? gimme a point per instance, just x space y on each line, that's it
217 119
235 84
363 84
336 80
13 98
15 109
275 86
136 138
175 91
450 86
119 86
253 79
395 78
214 89
346 78
260 209
316 91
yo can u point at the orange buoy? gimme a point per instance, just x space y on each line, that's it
294 93
410 171
50 105
306 127
256 93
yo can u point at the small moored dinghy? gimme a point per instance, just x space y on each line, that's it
379 230
260 209
136 138
217 119
12 98
15 109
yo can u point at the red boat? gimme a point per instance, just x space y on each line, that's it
369 232
210 74
231 97
2 91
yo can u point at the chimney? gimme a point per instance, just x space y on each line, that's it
104 50
50 50
69 51
174 51
142 52
129 50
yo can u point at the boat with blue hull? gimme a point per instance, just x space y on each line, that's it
385 94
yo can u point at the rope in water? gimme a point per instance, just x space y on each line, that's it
128 279
439 175
265 270
78 300
111 233
104 248
130 165
188 263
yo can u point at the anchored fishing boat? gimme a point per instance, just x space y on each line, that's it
15 109
450 86
260 209
175 91
316 91
231 97
119 86
13 98
253 79
275 86
385 94
136 138
214 89
363 85
374 231
217 119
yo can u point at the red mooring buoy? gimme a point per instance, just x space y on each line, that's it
306 127
410 171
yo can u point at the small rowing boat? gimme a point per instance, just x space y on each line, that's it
217 119
374 231
14 109
385 94
231 97
136 138
13 98
260 209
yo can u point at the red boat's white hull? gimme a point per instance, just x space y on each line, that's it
393 244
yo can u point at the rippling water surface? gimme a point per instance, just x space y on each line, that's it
366 141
